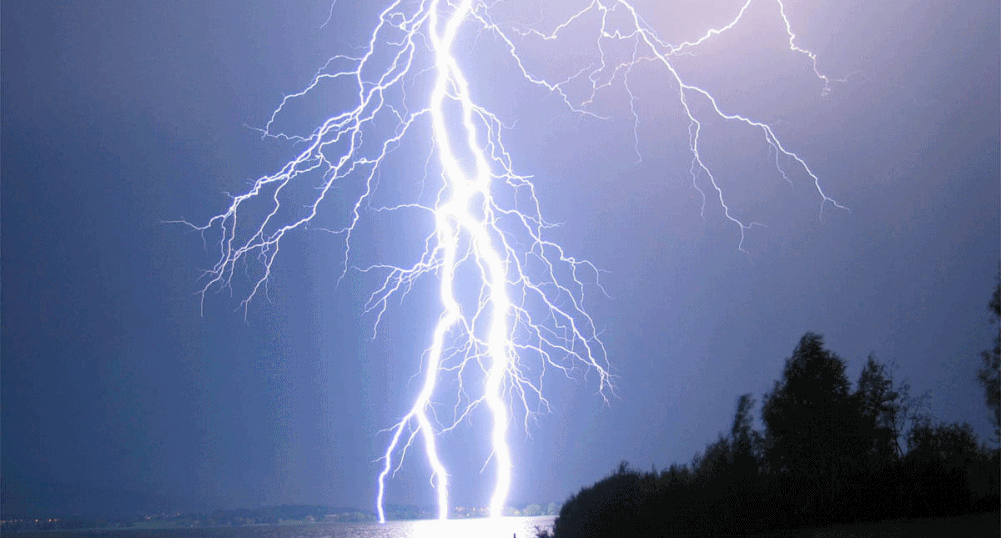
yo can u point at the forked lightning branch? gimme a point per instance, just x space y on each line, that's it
512 302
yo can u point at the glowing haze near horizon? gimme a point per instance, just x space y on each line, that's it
512 303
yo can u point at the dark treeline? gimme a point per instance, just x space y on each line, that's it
829 454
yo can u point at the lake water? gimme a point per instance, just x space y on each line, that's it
508 527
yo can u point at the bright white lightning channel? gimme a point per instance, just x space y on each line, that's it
530 301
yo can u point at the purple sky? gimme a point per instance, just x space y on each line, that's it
118 115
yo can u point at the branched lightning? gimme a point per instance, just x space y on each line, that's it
529 303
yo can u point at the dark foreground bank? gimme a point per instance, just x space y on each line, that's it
972 526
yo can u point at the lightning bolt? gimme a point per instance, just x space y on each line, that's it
526 303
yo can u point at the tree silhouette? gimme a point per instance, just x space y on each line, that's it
990 373
939 460
879 404
609 508
811 429
745 441
805 414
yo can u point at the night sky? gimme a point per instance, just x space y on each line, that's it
121 388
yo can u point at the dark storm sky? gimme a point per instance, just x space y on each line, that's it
118 115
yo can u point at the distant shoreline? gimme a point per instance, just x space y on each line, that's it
282 515
524 526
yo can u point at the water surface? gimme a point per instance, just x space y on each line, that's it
508 527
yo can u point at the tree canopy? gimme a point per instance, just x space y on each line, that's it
827 455
990 373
